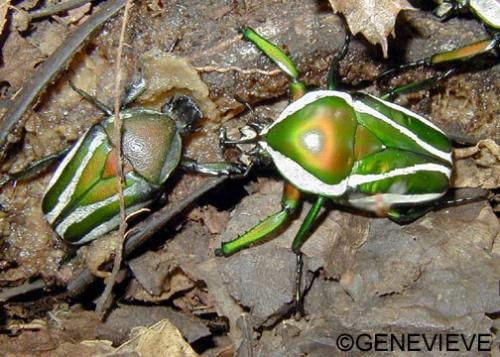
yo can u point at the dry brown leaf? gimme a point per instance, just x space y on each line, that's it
375 19
4 7
478 166
161 339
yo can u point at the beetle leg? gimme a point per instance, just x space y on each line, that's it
216 168
275 54
458 54
289 203
100 105
34 168
392 71
428 83
302 234
134 90
405 215
298 241
332 83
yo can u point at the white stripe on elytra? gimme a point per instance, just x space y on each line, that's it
305 100
363 108
304 180
407 112
357 179
372 203
82 212
68 192
108 225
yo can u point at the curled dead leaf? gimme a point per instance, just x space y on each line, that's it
375 19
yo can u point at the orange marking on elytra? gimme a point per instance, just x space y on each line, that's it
111 168
327 158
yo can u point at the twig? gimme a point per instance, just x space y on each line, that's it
57 8
105 299
143 231
138 236
273 72
9 293
48 71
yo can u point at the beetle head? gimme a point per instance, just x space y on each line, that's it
248 143
185 111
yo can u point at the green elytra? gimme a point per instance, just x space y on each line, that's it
349 148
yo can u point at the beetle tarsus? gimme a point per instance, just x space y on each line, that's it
222 168
134 91
299 306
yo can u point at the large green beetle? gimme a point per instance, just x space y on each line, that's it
355 149
81 201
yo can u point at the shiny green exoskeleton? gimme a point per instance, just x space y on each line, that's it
355 149
81 201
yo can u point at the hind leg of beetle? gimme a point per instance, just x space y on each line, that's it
404 215
427 84
299 240
461 54
34 168
289 203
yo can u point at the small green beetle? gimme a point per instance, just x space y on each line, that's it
81 201
355 149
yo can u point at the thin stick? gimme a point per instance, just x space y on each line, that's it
8 293
13 120
203 69
145 230
57 8
105 299
138 236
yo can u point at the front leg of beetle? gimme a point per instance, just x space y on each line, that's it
215 168
289 204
